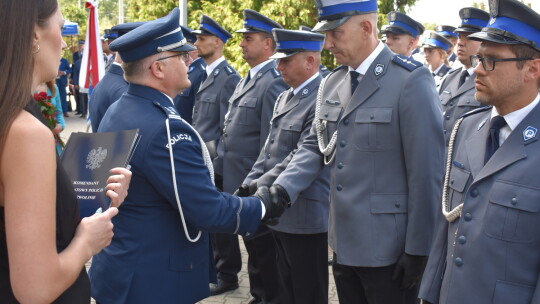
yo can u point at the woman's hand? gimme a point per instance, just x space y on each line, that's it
118 185
96 231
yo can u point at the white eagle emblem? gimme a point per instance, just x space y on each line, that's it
95 158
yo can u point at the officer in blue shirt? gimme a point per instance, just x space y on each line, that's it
402 33
160 250
185 101
113 84
61 83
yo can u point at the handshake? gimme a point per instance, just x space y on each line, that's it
275 199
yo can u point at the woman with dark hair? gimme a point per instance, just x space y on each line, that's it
43 245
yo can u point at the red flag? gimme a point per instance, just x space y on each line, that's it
92 65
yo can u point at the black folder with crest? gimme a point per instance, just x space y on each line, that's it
87 159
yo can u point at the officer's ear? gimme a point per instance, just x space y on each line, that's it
156 69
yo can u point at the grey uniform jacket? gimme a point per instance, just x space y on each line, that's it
288 128
246 125
456 100
387 172
494 257
212 102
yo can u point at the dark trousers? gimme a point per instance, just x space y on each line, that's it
370 285
226 256
82 104
63 97
302 263
264 283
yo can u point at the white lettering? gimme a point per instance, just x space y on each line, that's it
177 138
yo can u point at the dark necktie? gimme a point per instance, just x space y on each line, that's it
291 95
248 78
203 76
492 143
463 77
354 81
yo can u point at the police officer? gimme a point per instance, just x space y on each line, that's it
322 69
447 31
160 250
487 246
436 52
61 82
185 101
246 128
113 84
402 33
378 128
301 235
211 104
457 89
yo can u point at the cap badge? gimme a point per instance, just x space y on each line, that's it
491 21
529 133
379 68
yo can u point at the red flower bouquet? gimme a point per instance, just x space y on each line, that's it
48 110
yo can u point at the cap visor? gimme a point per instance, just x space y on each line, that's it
464 29
327 25
395 30
484 36
248 30
184 48
280 55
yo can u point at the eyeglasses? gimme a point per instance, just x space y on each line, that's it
183 55
488 63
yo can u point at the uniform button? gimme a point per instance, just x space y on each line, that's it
468 101
447 117
474 193
514 201
444 131
467 217
397 205
339 187
340 165
230 119
458 261
326 114
346 121
451 181
290 126
450 103
343 143
196 111
268 155
371 116
462 240
225 134
275 126
272 141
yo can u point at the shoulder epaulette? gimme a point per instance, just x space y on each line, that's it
406 62
276 73
476 111
229 70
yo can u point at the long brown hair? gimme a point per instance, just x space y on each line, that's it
19 17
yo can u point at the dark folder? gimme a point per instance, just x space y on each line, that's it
87 159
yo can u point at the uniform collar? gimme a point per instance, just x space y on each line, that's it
364 66
253 71
513 119
148 93
305 83
211 67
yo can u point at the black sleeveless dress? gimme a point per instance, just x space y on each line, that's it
67 219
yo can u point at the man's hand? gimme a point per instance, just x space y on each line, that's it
275 201
253 187
242 191
409 270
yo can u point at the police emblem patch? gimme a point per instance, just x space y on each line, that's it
216 72
529 133
379 68
95 158
259 75
305 91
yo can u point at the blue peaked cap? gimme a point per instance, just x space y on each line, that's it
512 22
188 34
124 28
400 23
255 22
160 35
446 30
290 42
209 26
333 13
436 40
472 19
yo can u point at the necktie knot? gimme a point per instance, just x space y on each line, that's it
463 77
354 80
492 143
248 78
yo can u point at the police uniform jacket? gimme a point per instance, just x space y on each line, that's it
212 102
107 91
150 259
184 101
491 254
288 128
247 124
387 172
439 77
61 81
456 100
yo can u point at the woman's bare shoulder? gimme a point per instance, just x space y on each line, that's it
27 128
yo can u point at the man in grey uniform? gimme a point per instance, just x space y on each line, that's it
457 89
487 245
378 127
245 130
301 235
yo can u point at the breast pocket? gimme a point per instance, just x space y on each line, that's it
207 105
513 213
445 97
372 129
467 104
457 182
290 134
247 111
330 114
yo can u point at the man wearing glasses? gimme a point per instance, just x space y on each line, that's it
160 250
457 89
487 247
